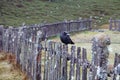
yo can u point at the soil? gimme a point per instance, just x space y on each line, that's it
9 69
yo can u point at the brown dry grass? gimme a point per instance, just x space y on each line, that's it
9 70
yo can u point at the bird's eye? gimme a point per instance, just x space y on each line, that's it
65 33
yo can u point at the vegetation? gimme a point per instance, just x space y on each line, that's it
16 12
8 71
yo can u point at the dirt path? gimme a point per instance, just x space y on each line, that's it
7 71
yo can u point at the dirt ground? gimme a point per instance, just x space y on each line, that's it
8 71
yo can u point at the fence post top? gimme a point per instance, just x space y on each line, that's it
1 26
39 33
102 39
10 27
91 17
65 20
71 20
80 18
110 18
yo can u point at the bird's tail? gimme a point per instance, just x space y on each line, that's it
72 43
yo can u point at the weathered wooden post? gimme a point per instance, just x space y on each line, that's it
1 37
10 39
51 53
78 63
23 49
100 55
65 25
30 55
64 63
84 64
45 64
14 40
116 70
58 61
18 44
37 56
110 24
80 23
5 40
72 63
115 24
118 25
90 23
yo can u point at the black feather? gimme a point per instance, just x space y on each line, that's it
65 38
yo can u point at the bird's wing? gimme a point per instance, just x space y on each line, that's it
62 38
69 39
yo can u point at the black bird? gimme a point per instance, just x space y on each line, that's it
65 38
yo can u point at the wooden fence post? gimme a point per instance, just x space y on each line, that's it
65 25
6 38
100 51
46 69
58 48
115 24
78 64
118 25
82 24
116 63
64 62
23 47
37 68
116 60
1 37
84 64
90 23
48 63
57 62
18 50
38 56
110 24
51 61
72 63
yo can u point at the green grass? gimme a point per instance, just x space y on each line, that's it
36 11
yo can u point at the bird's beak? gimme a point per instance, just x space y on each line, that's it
68 34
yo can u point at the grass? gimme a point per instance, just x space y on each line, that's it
36 11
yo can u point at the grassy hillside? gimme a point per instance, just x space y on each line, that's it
36 11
